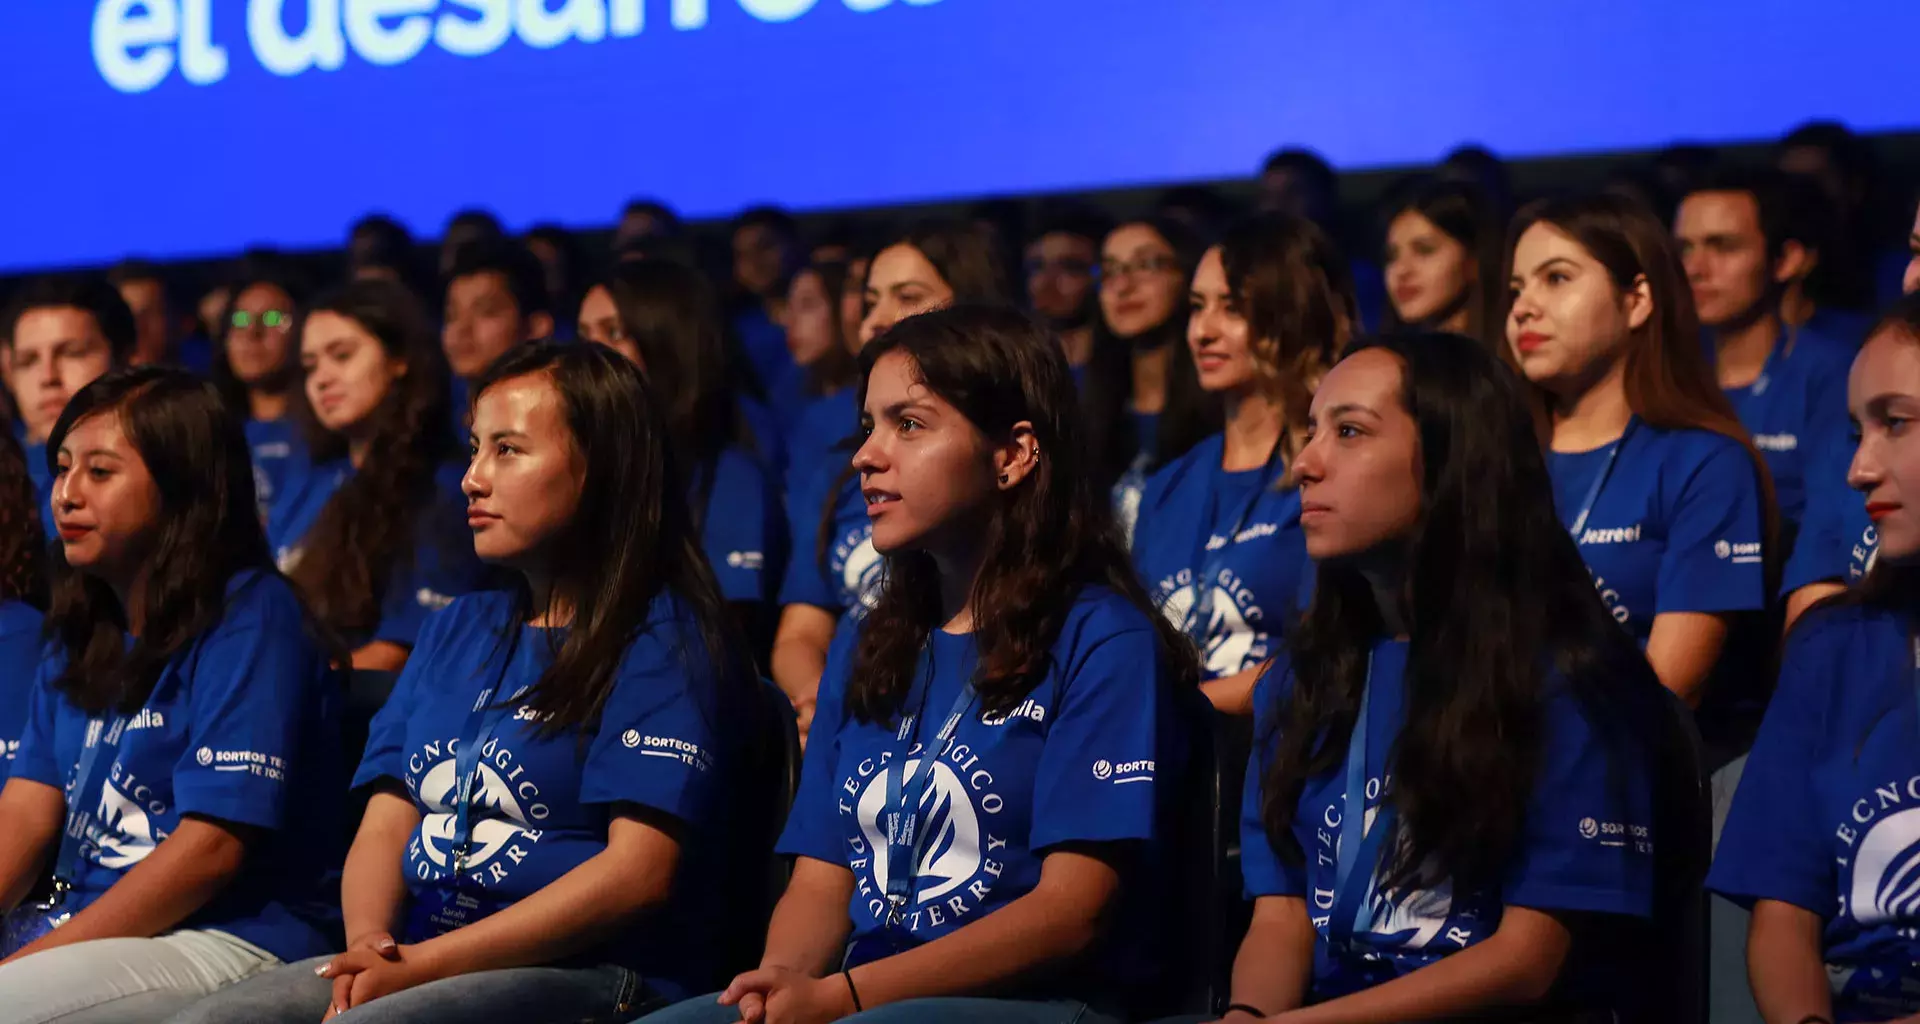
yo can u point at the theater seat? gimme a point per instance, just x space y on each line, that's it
770 776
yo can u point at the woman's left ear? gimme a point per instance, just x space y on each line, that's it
1019 456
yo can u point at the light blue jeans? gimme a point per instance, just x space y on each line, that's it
126 981
951 1010
525 995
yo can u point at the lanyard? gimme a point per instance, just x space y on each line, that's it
1359 845
101 747
1600 481
904 792
485 717
1210 563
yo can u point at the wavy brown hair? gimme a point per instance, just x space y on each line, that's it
1668 381
1045 540
1294 289
23 547
1465 213
367 529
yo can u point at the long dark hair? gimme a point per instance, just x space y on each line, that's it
207 529
968 260
1107 394
672 314
1668 381
232 390
630 540
367 528
836 367
23 546
1464 213
1296 292
1497 599
1046 540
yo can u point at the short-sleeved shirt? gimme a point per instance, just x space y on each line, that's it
1676 527
1585 847
20 651
1252 580
848 578
277 454
1837 541
243 727
743 528
1795 409
542 805
1086 758
1827 815
442 567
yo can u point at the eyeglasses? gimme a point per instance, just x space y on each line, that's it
277 321
1158 263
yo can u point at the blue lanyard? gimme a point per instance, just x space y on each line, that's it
482 720
1209 565
1600 481
97 752
904 792
1359 845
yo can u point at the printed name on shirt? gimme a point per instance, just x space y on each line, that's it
1258 530
147 719
957 869
1029 709
1613 535
264 766
273 450
1125 771
1882 837
746 560
1776 442
669 747
1616 834
1741 554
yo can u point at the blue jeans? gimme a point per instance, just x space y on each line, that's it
526 995
946 1010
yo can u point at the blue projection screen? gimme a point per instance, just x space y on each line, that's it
178 128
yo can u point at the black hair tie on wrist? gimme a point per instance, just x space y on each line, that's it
1262 1014
855 993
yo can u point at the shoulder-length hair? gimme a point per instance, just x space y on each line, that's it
221 371
23 546
1464 213
367 529
207 529
1296 292
1107 395
1668 380
1044 541
1497 601
631 540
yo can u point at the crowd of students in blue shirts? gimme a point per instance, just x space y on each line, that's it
1449 557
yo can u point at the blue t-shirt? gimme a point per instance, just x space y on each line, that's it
1127 491
20 648
1675 528
542 806
768 434
242 726
1088 757
1837 541
850 578
277 453
1794 410
1585 847
744 529
1827 816
1253 579
826 421
443 565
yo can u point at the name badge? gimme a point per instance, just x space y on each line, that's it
447 908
